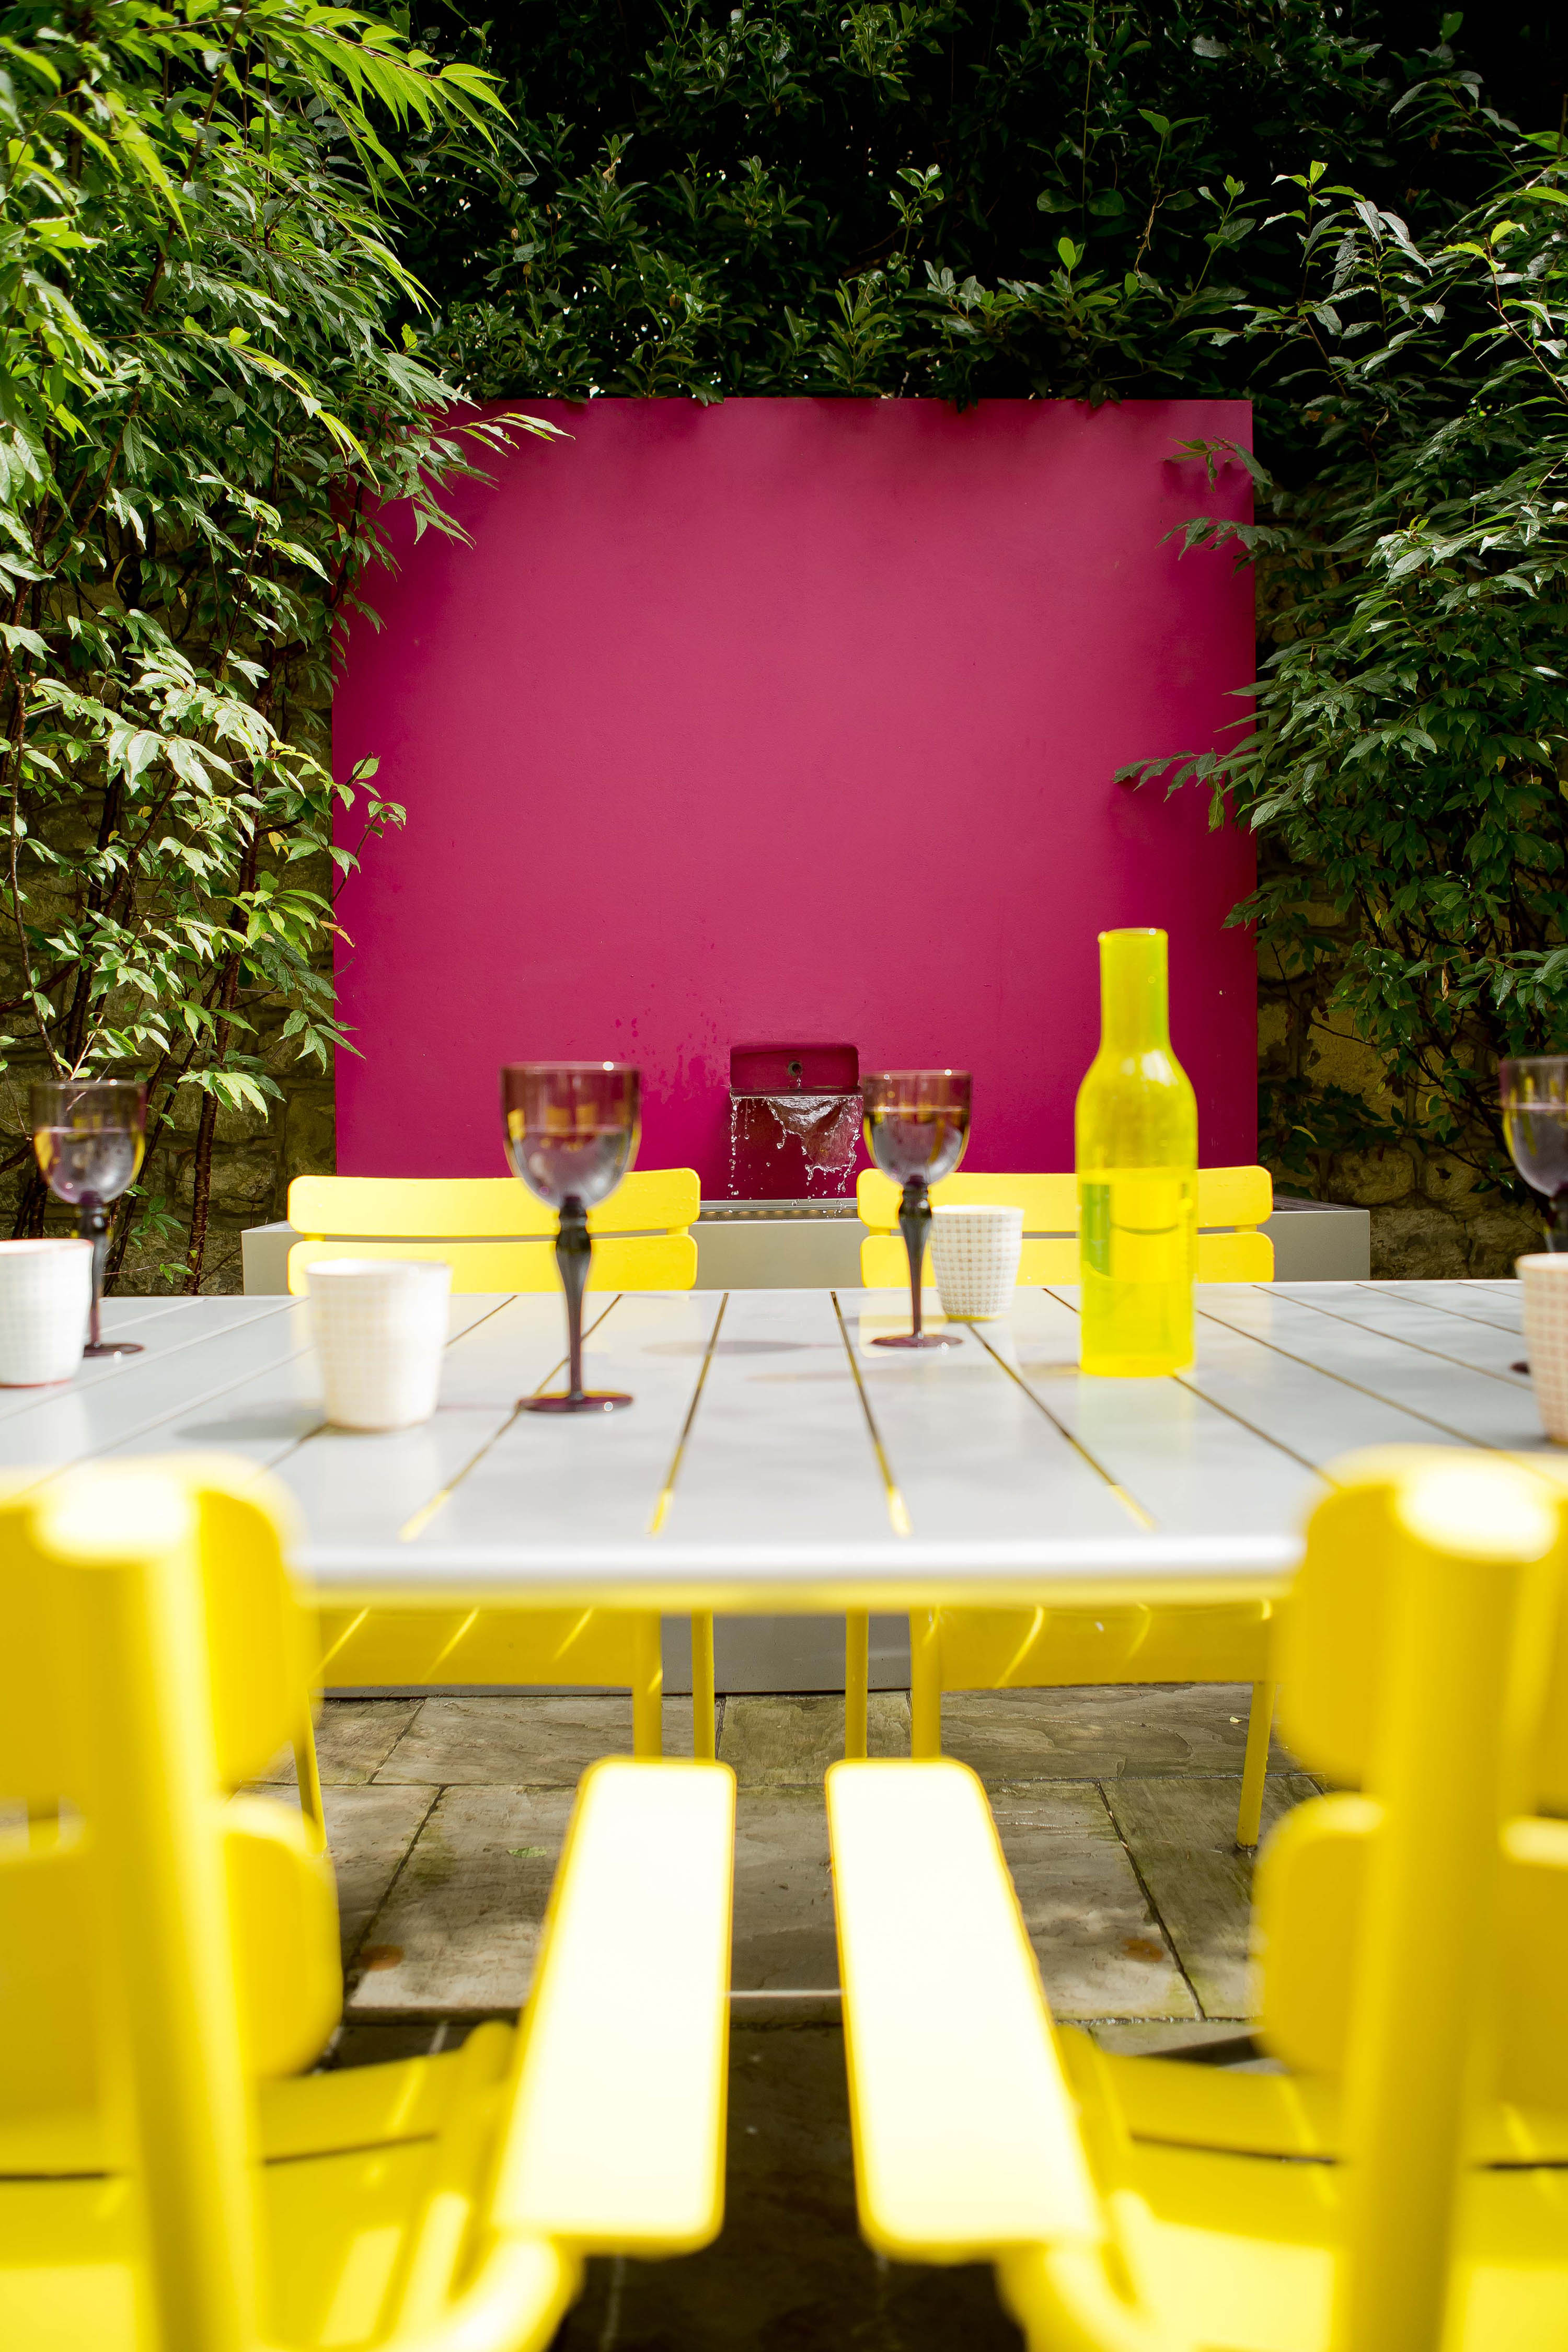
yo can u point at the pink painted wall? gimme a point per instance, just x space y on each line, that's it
795 719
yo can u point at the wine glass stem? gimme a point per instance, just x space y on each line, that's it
914 1224
93 1225
573 1251
1557 1229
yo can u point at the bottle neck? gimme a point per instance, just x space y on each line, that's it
1133 1009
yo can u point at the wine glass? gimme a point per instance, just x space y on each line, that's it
572 1133
89 1134
1534 1092
917 1124
1535 1089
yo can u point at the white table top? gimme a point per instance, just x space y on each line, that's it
774 1459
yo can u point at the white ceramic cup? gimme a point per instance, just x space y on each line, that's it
379 1329
45 1298
974 1254
1543 1280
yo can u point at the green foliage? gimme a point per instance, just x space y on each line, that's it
201 398
798 196
1407 766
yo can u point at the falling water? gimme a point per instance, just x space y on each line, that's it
826 1128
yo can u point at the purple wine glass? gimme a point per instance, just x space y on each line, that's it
572 1131
917 1124
1534 1092
88 1136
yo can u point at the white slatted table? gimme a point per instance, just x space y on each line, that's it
776 1461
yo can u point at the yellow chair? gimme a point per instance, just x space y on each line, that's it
1034 1649
493 1233
1402 2186
496 1236
169 2181
1232 1203
1045 1648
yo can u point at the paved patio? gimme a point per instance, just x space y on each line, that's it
1116 1808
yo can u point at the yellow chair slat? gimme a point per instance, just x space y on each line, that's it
257 1635
1234 1257
1049 1203
439 1645
1296 2114
964 2137
1312 1886
616 2136
381 1648
1221 1257
620 1261
1233 1196
480 1208
1227 1196
1024 1649
1328 1707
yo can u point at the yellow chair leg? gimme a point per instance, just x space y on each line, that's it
856 1680
1259 1724
309 1778
703 1712
647 1690
925 1683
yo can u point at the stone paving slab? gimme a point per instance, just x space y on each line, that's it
1140 2037
1101 1733
368 1832
353 1738
1182 1835
789 1741
1101 1948
527 1740
784 1940
460 1932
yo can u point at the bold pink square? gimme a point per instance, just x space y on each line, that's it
796 719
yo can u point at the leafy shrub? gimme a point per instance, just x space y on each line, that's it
202 396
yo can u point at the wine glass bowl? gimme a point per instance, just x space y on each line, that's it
1534 1090
89 1137
571 1131
917 1125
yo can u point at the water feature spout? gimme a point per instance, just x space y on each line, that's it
795 1121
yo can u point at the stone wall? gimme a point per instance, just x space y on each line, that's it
1432 1218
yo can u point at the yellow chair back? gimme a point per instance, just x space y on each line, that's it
1348 1612
1232 1203
163 1944
59 1752
494 1233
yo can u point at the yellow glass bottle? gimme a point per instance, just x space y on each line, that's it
1137 1138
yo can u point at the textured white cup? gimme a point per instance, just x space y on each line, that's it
379 1329
45 1297
975 1253
1543 1279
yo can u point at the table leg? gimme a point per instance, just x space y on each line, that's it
857 1679
1259 1724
